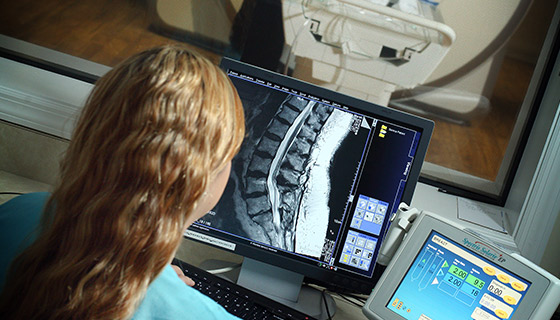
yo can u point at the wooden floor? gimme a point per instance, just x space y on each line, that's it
106 32
478 148
103 31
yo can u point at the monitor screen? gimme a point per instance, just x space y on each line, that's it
316 180
447 279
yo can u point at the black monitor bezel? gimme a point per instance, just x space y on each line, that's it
347 281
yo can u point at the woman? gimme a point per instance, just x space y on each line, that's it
150 155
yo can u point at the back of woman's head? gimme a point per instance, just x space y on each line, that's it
151 136
158 120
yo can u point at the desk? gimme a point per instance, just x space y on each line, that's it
196 253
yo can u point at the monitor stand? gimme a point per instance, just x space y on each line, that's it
285 286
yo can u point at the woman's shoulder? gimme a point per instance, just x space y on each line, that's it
21 215
28 201
169 298
19 218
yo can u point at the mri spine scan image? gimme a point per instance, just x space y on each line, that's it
280 191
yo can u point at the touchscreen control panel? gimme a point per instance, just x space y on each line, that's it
441 271
445 273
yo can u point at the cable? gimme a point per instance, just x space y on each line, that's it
345 297
361 299
323 295
11 193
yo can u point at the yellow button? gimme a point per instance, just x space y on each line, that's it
489 270
518 286
510 300
503 278
501 313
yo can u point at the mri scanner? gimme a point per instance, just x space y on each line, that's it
362 48
441 59
412 55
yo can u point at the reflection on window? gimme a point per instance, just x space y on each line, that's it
471 81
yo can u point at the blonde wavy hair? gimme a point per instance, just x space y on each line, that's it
154 132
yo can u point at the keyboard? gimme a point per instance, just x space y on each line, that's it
237 300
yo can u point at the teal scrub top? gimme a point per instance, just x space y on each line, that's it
168 297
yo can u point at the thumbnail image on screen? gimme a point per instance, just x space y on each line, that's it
446 281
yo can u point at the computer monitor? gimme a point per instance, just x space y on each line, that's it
316 180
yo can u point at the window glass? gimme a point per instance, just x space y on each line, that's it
470 73
105 31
